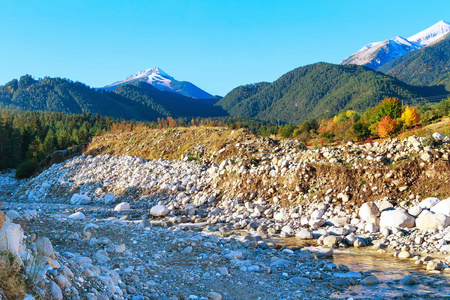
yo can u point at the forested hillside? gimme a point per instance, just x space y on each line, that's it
319 90
27 137
139 101
167 103
427 66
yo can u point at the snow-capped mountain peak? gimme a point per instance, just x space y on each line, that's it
374 55
164 82
151 76
150 73
432 34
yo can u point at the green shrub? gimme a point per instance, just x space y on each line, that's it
26 169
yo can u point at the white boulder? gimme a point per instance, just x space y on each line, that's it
432 221
304 234
78 216
442 207
415 210
396 218
10 237
368 211
438 136
122 206
429 202
159 211
80 199
281 216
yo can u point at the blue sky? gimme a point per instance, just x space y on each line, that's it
216 44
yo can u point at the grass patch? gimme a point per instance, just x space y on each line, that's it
12 279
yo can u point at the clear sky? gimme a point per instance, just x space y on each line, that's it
215 44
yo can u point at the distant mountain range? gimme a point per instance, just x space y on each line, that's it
163 82
416 67
375 55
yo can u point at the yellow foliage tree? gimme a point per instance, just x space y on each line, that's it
410 116
386 126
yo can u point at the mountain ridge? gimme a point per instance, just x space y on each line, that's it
375 55
319 90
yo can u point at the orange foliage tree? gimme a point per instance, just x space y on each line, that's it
410 116
386 126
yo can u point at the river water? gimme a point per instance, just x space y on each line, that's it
389 270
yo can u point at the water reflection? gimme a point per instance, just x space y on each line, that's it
389 270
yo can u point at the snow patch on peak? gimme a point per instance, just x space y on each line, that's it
150 72
401 40
154 76
431 34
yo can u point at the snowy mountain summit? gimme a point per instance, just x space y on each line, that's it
432 34
164 82
374 55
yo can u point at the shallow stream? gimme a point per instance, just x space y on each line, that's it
389 270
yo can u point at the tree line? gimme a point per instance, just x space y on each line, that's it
28 137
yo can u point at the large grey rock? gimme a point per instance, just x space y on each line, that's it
369 212
56 291
429 202
396 218
442 207
214 296
12 214
77 216
159 211
80 199
10 238
279 263
44 247
62 281
432 221
110 198
370 280
410 280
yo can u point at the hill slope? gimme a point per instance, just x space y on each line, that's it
163 82
319 90
61 95
139 101
427 66
168 103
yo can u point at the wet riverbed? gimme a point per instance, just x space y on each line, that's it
389 270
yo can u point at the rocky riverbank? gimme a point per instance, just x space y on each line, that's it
131 228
